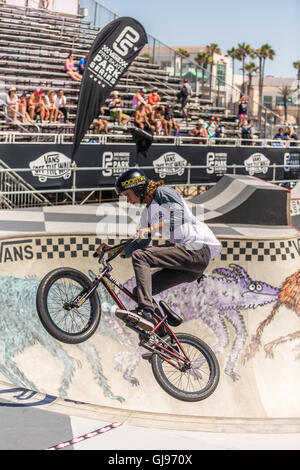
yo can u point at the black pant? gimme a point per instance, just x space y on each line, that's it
65 113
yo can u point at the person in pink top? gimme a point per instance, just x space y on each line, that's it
69 68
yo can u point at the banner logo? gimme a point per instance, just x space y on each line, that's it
51 165
115 163
216 163
126 41
257 163
170 163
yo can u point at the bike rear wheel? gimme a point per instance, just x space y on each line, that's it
196 382
56 291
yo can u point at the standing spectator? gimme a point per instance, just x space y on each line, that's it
153 99
35 105
279 135
101 123
115 108
292 136
139 98
61 104
82 64
169 121
199 131
243 110
184 96
69 68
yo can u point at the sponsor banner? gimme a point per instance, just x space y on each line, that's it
112 51
50 166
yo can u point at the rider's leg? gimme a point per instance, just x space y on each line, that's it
187 264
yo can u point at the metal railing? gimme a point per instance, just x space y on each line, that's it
73 189
126 139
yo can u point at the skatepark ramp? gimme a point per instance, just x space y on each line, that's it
238 199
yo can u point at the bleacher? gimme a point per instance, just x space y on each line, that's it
34 46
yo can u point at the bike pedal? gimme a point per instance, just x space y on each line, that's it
133 319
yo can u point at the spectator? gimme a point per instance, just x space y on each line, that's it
100 123
157 119
247 132
279 136
219 130
115 108
139 98
52 110
69 68
211 127
243 110
169 121
184 96
82 64
12 104
142 119
61 104
45 4
153 99
292 136
23 109
35 105
199 131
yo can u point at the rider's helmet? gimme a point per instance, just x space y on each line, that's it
132 179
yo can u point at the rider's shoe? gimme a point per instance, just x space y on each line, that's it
138 317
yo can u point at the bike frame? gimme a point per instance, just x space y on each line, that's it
102 278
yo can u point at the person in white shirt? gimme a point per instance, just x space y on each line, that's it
61 104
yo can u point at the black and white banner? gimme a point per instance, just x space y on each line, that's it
113 50
50 166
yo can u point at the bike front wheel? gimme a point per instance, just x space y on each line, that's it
193 383
55 295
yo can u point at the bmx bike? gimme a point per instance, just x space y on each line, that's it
69 308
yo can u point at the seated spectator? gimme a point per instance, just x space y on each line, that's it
292 136
23 109
61 104
139 98
199 131
142 118
154 99
115 107
279 136
169 122
69 68
82 64
157 119
52 110
35 105
12 104
211 127
101 123
247 133
219 130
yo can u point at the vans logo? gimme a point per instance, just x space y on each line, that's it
51 165
257 163
170 163
126 41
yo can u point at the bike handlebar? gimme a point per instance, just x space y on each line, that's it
120 247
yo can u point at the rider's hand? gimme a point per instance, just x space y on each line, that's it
100 248
142 233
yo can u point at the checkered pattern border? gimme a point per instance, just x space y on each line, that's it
242 250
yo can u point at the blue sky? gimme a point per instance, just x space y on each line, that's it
226 22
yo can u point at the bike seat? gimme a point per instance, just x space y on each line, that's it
173 318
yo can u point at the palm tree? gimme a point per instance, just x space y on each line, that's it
297 67
212 49
235 55
183 53
263 53
203 59
250 68
244 50
285 92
